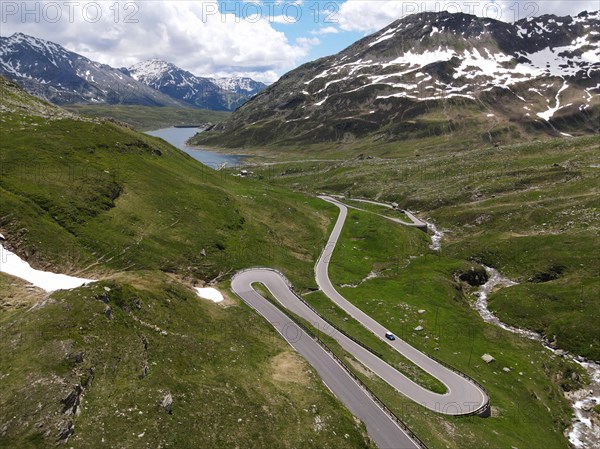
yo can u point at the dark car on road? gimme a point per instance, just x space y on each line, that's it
390 336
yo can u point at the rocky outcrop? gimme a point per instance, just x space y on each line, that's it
145 368
167 403
72 401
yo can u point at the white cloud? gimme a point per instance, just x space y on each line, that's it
306 42
284 19
197 37
325 30
193 35
368 16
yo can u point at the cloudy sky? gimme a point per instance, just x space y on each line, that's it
258 38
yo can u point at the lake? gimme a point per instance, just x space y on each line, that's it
178 136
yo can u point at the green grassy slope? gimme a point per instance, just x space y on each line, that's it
530 210
95 199
145 118
92 198
528 407
232 380
87 194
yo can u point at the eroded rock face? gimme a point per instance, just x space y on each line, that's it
145 369
65 431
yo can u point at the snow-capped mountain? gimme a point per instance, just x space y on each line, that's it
50 71
432 74
218 94
241 85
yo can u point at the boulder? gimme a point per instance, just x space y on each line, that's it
487 358
167 403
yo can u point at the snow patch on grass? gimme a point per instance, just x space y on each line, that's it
209 293
12 264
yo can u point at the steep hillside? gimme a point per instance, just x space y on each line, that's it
101 362
100 189
435 74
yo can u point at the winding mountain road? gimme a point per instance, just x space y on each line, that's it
463 397
383 430
414 221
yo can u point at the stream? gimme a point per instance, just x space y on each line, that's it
585 433
495 279
436 236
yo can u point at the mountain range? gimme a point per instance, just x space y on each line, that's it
52 72
222 94
434 74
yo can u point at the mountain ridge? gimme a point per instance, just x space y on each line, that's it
429 74
50 71
219 94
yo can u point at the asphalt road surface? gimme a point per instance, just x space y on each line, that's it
462 396
382 429
414 221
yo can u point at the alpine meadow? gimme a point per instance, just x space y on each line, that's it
295 224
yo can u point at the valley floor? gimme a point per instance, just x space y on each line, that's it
138 360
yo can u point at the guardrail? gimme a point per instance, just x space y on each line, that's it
420 443
484 409
379 402
334 326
